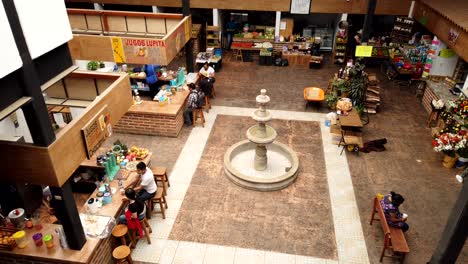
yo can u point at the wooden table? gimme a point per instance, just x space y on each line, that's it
351 125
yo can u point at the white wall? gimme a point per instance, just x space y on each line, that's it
443 66
45 24
10 58
7 127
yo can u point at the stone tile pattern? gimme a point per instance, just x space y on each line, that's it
238 83
296 220
143 124
409 166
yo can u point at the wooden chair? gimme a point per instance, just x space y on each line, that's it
161 200
161 174
198 114
394 237
122 254
146 230
207 104
238 54
213 92
119 232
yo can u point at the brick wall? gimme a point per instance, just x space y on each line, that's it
154 124
429 95
102 255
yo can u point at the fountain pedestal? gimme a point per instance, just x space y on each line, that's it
274 164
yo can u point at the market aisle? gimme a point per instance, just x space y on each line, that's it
409 166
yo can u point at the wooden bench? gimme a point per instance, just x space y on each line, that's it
394 237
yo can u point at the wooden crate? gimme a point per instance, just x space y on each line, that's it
9 232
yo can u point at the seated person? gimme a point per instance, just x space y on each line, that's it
136 208
147 185
207 72
206 86
192 103
390 204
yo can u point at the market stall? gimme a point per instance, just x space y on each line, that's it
163 117
127 37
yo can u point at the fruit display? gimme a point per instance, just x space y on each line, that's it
6 238
139 153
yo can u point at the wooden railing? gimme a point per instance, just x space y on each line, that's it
100 22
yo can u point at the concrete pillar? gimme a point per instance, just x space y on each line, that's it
465 86
277 24
411 10
98 6
156 9
215 17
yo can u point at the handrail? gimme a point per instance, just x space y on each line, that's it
104 16
76 11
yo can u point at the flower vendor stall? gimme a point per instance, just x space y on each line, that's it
452 139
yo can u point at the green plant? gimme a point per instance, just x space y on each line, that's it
357 84
92 65
341 85
331 99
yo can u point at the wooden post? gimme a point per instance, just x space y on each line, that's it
455 233
368 20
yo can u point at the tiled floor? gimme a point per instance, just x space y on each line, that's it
296 220
409 166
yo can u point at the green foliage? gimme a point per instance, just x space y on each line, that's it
92 65
331 99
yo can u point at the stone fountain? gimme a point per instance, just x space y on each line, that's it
259 163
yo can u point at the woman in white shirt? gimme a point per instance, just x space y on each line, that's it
207 71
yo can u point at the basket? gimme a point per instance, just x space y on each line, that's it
7 231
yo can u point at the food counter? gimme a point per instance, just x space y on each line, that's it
436 90
153 118
95 250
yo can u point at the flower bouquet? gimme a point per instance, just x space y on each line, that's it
459 107
445 142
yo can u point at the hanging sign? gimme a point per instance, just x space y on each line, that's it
144 51
117 50
447 53
96 131
364 51
300 7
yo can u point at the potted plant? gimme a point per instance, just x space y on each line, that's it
92 65
331 99
446 143
341 85
357 85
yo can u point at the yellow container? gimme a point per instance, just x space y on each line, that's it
20 239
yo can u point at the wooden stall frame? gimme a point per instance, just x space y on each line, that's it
53 165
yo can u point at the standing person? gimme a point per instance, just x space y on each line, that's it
390 205
231 28
152 78
192 103
147 185
352 43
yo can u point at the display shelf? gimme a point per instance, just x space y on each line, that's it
402 29
339 51
212 37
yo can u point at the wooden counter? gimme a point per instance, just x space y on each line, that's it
55 254
436 91
150 118
95 250
92 163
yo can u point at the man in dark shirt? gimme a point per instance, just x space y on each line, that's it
192 102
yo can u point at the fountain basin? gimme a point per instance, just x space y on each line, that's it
282 168
257 135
